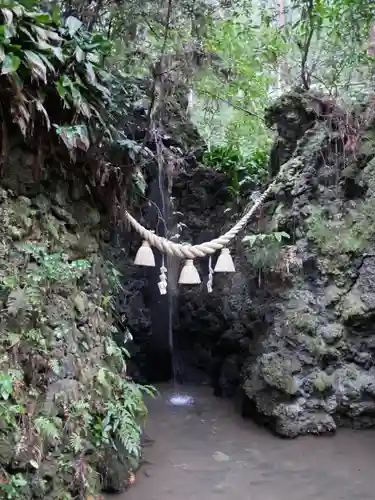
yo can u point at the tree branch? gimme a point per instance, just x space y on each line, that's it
164 46
234 106
305 74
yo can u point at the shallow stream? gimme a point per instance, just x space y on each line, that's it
207 451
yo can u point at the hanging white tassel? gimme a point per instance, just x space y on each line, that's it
163 278
189 274
210 276
145 255
225 262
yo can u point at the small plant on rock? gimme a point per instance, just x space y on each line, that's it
243 172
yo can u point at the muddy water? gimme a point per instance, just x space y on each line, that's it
208 452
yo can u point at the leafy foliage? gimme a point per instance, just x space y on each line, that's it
252 239
69 73
243 172
268 253
332 45
13 488
106 408
235 90
52 73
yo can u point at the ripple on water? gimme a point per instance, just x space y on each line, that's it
181 400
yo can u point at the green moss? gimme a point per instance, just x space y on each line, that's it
277 371
352 372
353 306
312 142
322 382
351 234
304 322
316 345
264 255
351 171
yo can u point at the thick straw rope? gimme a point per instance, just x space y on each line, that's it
207 248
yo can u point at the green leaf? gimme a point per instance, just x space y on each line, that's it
250 239
10 64
53 35
285 235
73 24
27 32
58 53
90 73
61 89
56 15
18 10
8 16
42 109
36 65
39 18
80 55
93 57
47 62
6 386
41 32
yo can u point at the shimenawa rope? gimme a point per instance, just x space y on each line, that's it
203 249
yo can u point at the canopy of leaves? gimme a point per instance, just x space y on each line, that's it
52 73
71 66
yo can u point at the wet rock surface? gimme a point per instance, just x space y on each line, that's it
295 329
56 328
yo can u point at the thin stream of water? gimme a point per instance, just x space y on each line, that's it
165 215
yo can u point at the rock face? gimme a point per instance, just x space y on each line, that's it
293 325
212 331
315 369
62 375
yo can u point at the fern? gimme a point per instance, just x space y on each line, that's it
80 406
55 366
47 427
130 441
112 349
81 409
75 443
35 336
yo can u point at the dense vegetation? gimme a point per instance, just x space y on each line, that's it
71 71
71 67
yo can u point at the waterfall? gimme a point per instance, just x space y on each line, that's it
170 263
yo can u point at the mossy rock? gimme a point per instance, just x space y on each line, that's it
114 472
6 450
304 322
314 344
81 302
277 372
322 381
59 309
351 171
332 332
353 307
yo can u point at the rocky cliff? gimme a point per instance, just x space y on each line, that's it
315 369
293 326
69 417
